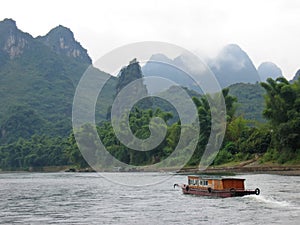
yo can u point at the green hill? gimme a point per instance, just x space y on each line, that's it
250 98
38 77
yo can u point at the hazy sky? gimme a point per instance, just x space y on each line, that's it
268 30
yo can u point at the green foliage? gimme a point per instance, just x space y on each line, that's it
283 112
236 129
258 141
278 140
223 156
21 122
230 102
250 100
73 154
286 157
139 123
38 151
204 113
243 140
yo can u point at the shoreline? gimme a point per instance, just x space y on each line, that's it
278 170
264 169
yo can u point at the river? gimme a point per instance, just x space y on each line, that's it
89 198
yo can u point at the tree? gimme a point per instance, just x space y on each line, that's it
283 112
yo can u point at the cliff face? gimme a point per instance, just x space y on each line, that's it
128 74
13 41
61 40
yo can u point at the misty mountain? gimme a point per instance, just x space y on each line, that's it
162 66
268 69
296 77
232 65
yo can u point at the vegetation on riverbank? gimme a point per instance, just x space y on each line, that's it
276 140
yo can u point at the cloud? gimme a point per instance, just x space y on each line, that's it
266 30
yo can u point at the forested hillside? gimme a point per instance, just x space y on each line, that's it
250 100
38 82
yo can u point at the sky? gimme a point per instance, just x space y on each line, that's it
268 30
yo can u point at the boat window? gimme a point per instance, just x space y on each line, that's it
193 182
203 182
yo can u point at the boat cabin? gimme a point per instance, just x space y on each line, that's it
216 183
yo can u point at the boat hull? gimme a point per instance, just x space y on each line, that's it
219 193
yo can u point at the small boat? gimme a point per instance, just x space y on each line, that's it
216 187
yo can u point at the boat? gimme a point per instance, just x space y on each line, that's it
216 186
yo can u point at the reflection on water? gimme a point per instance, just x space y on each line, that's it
87 198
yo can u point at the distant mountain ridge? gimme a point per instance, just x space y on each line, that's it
296 77
268 70
231 66
162 66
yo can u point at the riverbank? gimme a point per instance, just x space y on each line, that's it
282 170
250 166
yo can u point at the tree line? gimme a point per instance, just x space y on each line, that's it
275 140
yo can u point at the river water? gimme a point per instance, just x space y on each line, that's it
89 198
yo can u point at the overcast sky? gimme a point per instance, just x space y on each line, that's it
268 30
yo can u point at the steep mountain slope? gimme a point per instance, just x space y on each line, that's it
162 66
62 41
233 65
296 77
38 77
268 69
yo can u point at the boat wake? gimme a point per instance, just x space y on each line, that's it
270 201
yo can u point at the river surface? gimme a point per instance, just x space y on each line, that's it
89 198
